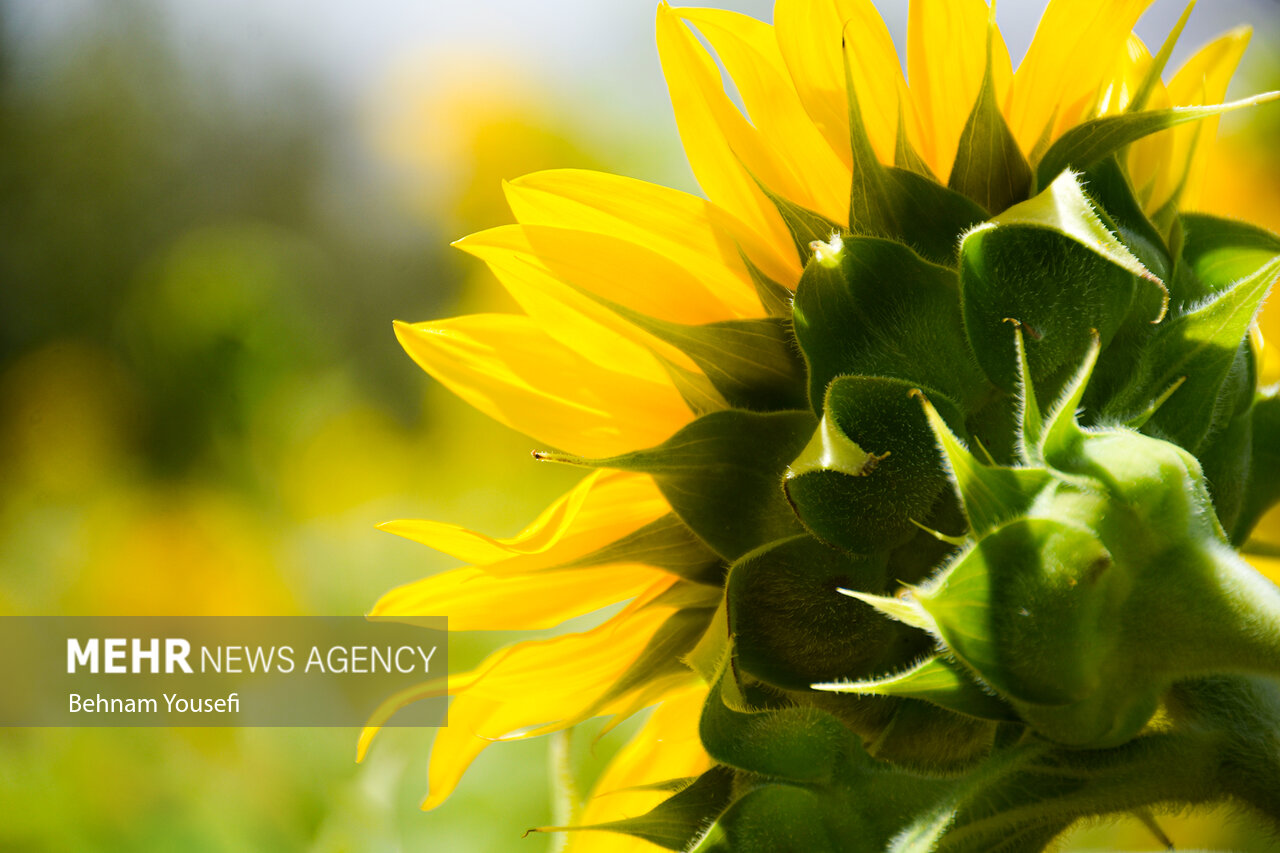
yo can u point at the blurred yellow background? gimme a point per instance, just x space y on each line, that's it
210 215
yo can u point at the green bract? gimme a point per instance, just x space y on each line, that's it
975 494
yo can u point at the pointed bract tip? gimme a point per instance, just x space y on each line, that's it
1029 415
827 252
939 535
562 458
903 609
1061 428
1258 100
839 687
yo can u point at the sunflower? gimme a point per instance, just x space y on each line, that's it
663 344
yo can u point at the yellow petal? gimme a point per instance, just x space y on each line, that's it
1238 166
513 371
1268 567
1147 158
652 693
1061 70
1202 80
601 509
388 707
621 271
639 614
475 600
946 61
532 684
572 317
1131 69
809 35
809 173
719 143
456 745
1268 331
695 234
667 747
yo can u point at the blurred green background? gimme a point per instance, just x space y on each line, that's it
209 215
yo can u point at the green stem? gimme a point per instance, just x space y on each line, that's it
1245 714
1217 614
1067 785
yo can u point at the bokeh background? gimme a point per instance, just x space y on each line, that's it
210 213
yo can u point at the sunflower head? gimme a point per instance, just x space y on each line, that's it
925 447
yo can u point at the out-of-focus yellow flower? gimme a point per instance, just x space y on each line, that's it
350 458
453 128
577 376
460 124
187 551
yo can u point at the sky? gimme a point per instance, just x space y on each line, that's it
598 57
582 46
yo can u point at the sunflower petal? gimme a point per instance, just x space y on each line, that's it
667 747
1202 80
809 36
1135 62
510 369
692 232
551 296
531 684
602 508
401 698
1061 68
818 179
1267 331
946 60
618 270
720 144
476 600
1268 567
1148 159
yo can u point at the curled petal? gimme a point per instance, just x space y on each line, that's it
666 747
539 683
603 507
